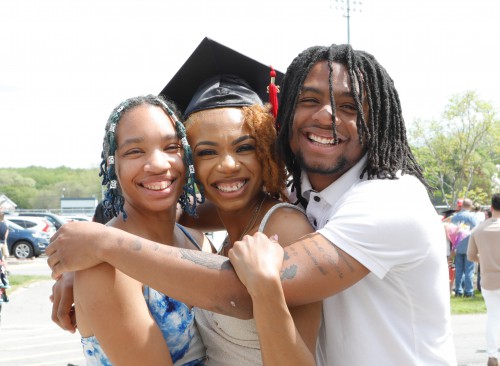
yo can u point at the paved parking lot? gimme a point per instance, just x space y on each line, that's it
27 335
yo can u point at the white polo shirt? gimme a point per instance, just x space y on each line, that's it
399 314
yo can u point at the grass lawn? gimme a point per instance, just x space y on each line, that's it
468 305
17 281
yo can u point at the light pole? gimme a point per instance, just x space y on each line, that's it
345 6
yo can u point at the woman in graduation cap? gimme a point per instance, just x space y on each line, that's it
232 137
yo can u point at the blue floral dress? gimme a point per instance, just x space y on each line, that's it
177 325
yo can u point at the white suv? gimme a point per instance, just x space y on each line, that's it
33 223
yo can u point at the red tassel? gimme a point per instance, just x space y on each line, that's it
273 95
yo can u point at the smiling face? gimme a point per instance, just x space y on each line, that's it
225 159
312 134
148 160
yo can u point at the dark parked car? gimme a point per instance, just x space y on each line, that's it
57 220
24 243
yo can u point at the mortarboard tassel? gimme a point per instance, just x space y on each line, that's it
273 95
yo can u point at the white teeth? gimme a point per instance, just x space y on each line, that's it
157 186
321 140
230 187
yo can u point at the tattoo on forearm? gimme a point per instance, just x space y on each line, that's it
206 260
289 273
136 244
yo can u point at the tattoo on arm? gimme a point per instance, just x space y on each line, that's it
313 258
207 260
343 258
335 260
136 244
289 273
286 256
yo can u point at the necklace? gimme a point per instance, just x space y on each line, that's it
250 224
253 218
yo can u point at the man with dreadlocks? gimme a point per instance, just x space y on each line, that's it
377 259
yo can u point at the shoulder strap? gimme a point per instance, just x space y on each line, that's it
274 208
188 235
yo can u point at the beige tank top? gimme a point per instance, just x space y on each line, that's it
230 341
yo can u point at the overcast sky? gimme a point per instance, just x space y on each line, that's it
65 64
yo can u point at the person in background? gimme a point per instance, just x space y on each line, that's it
484 248
4 234
4 254
343 138
480 217
479 213
464 268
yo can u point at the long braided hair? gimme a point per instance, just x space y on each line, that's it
383 130
114 200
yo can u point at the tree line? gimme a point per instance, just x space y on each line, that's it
460 154
42 188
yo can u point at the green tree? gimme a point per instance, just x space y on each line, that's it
459 152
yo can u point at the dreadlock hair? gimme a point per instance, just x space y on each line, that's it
260 122
114 200
383 131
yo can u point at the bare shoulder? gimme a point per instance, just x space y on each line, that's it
288 223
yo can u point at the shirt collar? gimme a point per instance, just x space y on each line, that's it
334 191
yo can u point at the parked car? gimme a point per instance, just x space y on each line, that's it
77 218
34 223
57 220
24 243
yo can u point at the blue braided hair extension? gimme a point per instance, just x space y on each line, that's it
188 199
113 199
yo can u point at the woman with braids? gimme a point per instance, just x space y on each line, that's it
145 158
377 257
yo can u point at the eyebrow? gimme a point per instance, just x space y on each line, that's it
133 140
136 140
235 142
312 89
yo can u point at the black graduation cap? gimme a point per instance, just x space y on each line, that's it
216 76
